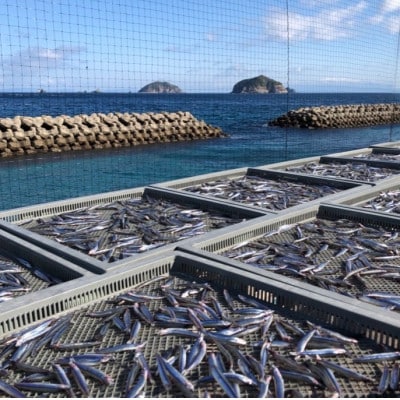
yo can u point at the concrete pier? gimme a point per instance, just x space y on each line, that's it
29 135
341 116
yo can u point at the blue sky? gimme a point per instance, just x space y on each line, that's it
201 46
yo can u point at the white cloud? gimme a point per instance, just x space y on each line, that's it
328 24
388 16
40 57
390 6
52 54
36 62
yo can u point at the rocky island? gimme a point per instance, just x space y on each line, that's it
259 84
160 87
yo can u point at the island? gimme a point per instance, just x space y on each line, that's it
160 87
259 84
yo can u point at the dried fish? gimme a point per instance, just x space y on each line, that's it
242 360
127 227
356 170
273 194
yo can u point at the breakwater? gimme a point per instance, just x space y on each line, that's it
341 116
29 135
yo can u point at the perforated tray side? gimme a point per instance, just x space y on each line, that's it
226 238
303 178
198 179
262 172
74 256
82 292
40 272
369 217
330 297
92 264
291 163
221 246
218 241
369 192
16 248
293 307
18 215
383 328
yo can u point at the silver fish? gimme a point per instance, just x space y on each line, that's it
219 376
10 390
378 357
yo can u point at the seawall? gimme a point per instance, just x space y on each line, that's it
341 116
29 135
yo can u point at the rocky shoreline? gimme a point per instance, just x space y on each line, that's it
341 116
29 135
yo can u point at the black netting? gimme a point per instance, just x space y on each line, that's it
68 58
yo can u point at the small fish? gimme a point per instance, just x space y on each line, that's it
394 377
344 371
122 347
227 339
162 373
384 380
35 332
74 346
195 355
42 387
322 352
136 389
300 377
96 374
302 343
10 390
79 378
222 380
263 386
63 378
378 357
184 385
87 358
278 382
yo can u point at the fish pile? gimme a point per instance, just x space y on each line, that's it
343 256
19 276
355 171
123 228
175 337
272 194
388 201
378 156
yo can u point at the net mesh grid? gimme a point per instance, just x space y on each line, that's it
110 50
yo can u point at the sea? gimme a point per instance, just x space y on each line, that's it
42 178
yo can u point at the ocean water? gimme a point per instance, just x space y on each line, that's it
46 177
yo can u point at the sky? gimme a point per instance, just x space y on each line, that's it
199 45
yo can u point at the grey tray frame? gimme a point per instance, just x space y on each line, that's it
211 248
383 328
87 262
